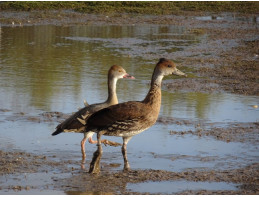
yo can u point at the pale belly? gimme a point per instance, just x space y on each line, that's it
126 133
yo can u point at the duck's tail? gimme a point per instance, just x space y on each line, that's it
58 131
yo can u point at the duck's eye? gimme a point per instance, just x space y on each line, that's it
169 65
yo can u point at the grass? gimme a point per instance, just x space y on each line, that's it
140 7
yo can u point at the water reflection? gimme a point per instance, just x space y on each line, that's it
210 107
50 68
53 68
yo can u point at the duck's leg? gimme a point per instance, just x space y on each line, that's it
104 141
110 143
91 141
95 163
87 135
83 148
124 153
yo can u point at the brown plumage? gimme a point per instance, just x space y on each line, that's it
77 121
130 118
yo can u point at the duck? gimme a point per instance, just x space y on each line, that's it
130 118
77 121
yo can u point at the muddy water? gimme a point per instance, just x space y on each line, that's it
54 68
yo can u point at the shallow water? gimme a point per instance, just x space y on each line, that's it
42 181
54 68
172 187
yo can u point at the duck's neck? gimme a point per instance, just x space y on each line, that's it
112 96
153 97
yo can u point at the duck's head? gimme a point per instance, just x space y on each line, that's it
166 67
119 73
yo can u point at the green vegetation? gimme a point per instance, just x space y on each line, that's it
140 7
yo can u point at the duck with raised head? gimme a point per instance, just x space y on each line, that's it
130 118
77 122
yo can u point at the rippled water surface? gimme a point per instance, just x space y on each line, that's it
54 68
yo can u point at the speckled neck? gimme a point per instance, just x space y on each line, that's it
154 95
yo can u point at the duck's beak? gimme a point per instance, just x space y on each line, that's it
178 72
127 76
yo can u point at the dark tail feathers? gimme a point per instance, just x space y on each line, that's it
58 131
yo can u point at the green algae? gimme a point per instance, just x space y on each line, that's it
138 7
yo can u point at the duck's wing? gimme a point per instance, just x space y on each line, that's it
121 112
75 122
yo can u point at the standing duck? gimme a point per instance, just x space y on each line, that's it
77 121
130 118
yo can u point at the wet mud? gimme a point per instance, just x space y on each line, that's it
239 70
43 117
242 132
232 70
115 182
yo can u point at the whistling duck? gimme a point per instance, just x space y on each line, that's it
130 118
77 121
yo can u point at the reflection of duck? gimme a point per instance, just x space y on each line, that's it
88 193
77 121
130 118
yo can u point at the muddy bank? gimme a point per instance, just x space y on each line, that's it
115 182
21 162
16 168
238 71
39 118
235 70
231 132
239 132
69 17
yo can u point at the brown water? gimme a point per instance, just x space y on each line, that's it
54 68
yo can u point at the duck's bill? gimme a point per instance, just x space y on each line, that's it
127 76
179 73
